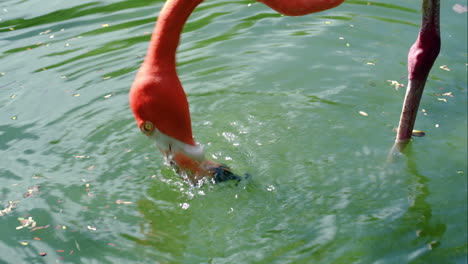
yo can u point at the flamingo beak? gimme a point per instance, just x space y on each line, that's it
187 160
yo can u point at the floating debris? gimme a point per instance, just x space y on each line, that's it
460 9
37 176
363 113
8 208
40 227
445 68
43 254
122 202
31 191
45 32
93 228
418 133
105 25
433 244
29 223
396 84
77 246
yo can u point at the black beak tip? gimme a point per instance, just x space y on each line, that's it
223 173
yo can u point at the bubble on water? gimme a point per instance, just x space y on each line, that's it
229 136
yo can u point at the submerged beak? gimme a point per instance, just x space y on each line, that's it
189 161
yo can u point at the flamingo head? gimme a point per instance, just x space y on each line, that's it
160 107
158 102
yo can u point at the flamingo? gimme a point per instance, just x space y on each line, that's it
160 106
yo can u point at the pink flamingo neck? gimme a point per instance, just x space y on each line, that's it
166 34
157 95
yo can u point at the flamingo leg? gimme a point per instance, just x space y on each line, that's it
421 58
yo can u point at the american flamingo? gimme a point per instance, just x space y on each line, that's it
160 105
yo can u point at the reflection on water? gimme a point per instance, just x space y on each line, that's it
165 226
417 223
272 96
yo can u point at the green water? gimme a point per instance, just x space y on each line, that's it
274 96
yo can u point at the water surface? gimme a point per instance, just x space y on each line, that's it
282 98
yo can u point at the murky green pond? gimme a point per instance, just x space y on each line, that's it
306 105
